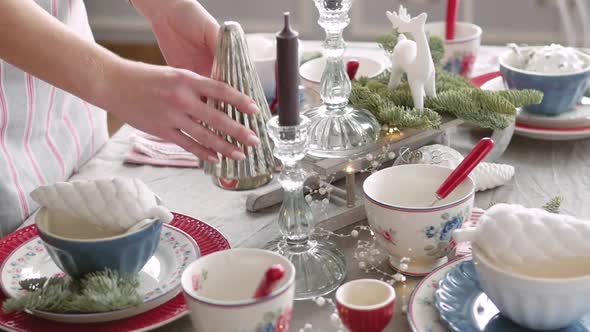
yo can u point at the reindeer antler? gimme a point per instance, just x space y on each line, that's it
399 18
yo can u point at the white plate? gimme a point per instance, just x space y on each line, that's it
577 117
559 128
495 84
159 279
312 70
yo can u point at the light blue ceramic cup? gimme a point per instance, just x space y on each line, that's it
561 92
79 248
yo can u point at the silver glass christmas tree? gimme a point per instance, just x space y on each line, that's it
233 65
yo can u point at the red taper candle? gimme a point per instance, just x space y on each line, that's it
475 156
271 278
288 74
452 9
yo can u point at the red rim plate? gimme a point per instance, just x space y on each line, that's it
547 129
208 238
480 80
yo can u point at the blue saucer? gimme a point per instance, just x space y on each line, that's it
465 308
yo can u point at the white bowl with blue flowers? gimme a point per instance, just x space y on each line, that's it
397 202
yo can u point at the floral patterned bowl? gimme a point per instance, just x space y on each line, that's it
219 290
397 202
460 53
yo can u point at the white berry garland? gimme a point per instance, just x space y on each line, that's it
369 257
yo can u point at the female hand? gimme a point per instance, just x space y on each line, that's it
187 36
186 32
168 102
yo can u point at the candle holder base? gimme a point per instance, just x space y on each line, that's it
320 266
341 133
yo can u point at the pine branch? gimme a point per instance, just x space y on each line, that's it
492 102
391 114
520 98
461 104
98 292
446 81
554 204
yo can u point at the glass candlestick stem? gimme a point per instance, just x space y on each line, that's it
320 267
337 129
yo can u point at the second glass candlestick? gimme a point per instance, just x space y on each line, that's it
337 129
320 267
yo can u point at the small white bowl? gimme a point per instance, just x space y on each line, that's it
219 290
312 70
263 52
535 303
397 202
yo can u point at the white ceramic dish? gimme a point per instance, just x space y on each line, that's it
397 202
219 291
536 303
159 279
577 117
312 70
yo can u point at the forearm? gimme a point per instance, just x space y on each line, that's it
153 10
39 44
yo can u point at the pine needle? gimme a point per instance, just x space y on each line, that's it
520 98
554 204
97 292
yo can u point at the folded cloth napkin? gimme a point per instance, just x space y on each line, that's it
464 248
151 150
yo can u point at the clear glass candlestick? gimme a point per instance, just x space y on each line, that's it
337 129
320 267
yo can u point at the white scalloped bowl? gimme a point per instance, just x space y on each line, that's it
535 303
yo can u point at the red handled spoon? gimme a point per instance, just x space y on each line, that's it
271 278
475 156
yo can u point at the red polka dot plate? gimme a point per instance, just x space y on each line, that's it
208 239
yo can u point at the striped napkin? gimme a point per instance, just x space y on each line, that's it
151 150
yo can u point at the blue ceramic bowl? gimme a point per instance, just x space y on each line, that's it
561 92
79 248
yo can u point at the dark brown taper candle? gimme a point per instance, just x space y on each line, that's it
288 75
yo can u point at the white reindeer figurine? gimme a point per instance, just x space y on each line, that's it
412 57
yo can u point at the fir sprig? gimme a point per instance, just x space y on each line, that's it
388 112
554 204
455 96
96 292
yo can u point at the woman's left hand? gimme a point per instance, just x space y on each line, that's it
186 32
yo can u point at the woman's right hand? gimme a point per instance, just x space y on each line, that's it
169 102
